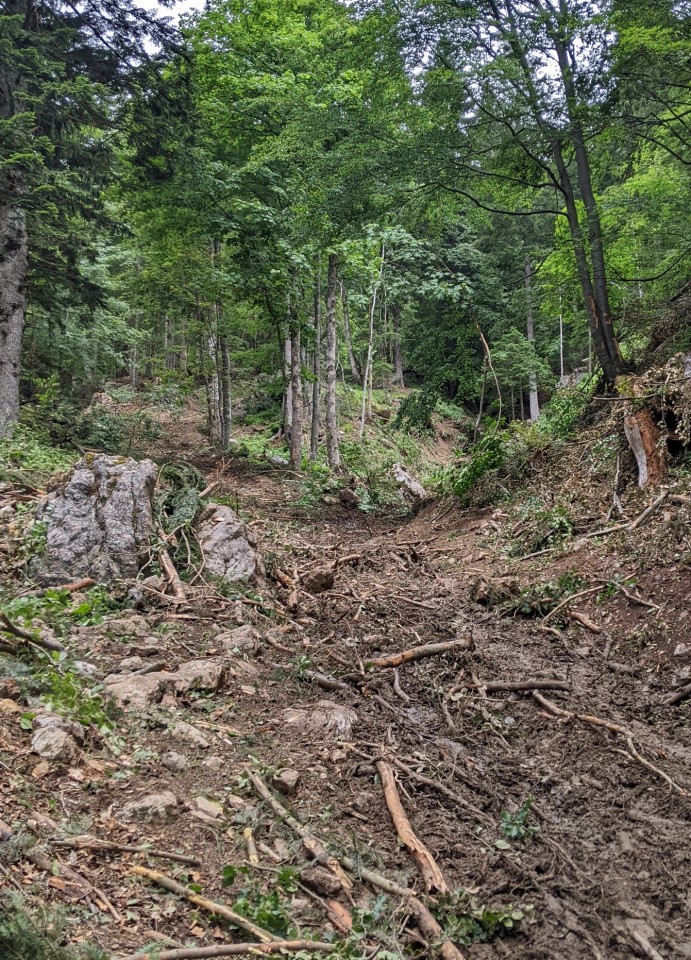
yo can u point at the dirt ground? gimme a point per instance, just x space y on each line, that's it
569 804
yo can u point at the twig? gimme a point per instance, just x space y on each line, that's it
21 634
432 875
584 621
400 693
83 584
564 603
677 696
240 950
418 653
94 843
517 685
172 576
220 909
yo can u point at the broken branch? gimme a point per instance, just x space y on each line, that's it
418 653
93 843
241 950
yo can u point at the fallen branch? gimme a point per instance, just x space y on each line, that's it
439 942
171 574
418 653
21 634
432 875
584 621
93 843
634 524
220 909
240 950
567 601
614 728
677 696
83 584
515 686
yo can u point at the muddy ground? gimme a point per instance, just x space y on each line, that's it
581 826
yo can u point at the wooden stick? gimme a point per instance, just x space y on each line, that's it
677 696
171 574
615 728
418 653
240 950
584 621
83 584
432 875
22 634
517 685
220 909
439 942
93 843
574 596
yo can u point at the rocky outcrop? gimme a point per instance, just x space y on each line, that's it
99 524
228 545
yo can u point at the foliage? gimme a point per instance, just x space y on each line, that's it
469 921
38 933
514 825
539 599
26 458
460 478
267 908
414 413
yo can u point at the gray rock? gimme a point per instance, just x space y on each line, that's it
137 692
130 664
681 649
131 626
228 545
325 718
286 781
210 811
243 639
174 761
153 806
54 720
213 763
407 483
198 675
99 523
52 743
186 733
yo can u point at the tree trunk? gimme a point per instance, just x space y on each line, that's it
14 258
355 371
169 343
316 372
368 365
534 404
287 387
645 440
296 392
397 347
212 392
226 407
333 453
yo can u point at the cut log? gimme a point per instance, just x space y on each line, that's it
645 440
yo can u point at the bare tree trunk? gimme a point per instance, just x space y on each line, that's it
287 387
296 392
367 386
333 453
213 399
355 371
14 258
645 440
316 372
182 355
561 339
482 398
397 347
226 407
169 343
534 404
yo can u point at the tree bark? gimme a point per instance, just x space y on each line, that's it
355 371
14 260
316 372
287 387
397 346
226 407
645 440
333 453
530 330
295 392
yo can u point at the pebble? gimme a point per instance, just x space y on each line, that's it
286 781
174 761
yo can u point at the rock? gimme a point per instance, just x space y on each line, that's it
209 810
213 763
9 706
189 734
324 718
321 880
137 692
241 640
681 649
99 524
319 580
54 720
9 688
174 761
348 497
153 806
277 461
198 675
228 545
130 664
52 743
85 669
132 626
286 781
407 484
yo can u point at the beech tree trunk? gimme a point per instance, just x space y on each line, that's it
287 387
397 347
295 392
534 404
355 371
224 384
316 373
333 453
14 259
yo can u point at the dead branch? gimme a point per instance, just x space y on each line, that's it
47 643
94 843
83 584
171 574
584 621
397 689
567 601
241 950
220 909
515 686
614 728
432 875
418 653
677 696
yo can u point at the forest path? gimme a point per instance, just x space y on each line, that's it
572 824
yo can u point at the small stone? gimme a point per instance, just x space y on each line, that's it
9 706
85 669
234 801
174 761
286 781
681 649
321 880
153 806
41 770
137 692
189 734
54 744
48 719
241 640
213 763
198 675
319 580
208 810
130 664
324 718
132 626
338 756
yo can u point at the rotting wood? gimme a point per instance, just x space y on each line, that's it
220 909
614 728
240 950
94 843
677 696
432 875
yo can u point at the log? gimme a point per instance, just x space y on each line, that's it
240 950
432 875
644 438
418 653
94 843
515 686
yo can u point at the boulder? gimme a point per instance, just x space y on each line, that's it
99 523
325 718
137 692
243 639
208 810
51 743
228 545
154 806
407 484
174 761
198 675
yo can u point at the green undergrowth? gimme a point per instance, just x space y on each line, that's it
26 458
38 933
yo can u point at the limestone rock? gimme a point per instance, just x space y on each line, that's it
189 734
208 810
174 761
213 763
131 626
407 484
243 639
130 664
51 743
153 806
54 720
228 545
319 580
325 718
198 675
137 692
286 781
99 523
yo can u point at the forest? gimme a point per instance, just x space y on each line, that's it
345 479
